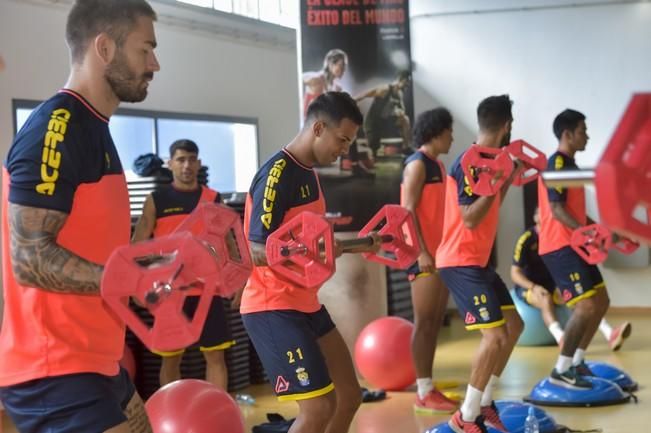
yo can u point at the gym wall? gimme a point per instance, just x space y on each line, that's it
205 70
590 57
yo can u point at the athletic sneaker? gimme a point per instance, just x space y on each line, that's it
435 402
492 417
458 425
619 334
583 370
570 379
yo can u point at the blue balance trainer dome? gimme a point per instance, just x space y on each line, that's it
514 413
614 374
445 428
603 393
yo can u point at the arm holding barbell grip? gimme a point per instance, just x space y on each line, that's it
258 254
564 179
507 184
573 178
39 261
473 214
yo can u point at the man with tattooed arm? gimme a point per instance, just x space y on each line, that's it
65 208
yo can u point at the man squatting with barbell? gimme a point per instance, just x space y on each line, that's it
303 353
582 287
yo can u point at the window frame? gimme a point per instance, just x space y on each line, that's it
156 115
233 13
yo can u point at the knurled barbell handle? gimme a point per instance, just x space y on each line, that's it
291 251
351 244
155 294
347 245
568 178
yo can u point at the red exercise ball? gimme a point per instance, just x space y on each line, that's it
383 353
128 362
192 405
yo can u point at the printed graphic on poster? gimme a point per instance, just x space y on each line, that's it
361 47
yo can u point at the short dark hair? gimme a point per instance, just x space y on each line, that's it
430 124
493 112
568 120
336 106
89 18
184 144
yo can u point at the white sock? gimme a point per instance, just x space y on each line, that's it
471 407
556 330
487 397
579 356
424 385
563 363
605 329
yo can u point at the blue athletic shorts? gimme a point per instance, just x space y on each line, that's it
575 278
414 272
480 295
216 335
73 403
287 344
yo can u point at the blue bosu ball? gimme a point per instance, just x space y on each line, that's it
603 393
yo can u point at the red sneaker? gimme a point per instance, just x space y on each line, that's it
492 417
620 333
435 402
458 425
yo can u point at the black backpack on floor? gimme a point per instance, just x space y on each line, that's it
277 424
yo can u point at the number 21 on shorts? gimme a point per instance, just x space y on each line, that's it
292 356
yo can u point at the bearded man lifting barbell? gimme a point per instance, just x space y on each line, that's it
469 232
65 209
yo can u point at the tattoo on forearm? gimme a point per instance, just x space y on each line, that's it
37 259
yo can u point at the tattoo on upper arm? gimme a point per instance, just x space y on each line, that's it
38 261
